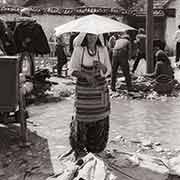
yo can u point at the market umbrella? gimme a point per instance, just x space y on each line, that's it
94 24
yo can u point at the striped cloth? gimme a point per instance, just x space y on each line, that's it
90 137
90 128
92 103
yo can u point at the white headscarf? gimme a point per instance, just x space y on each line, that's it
75 63
79 39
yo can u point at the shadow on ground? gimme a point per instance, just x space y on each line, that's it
29 163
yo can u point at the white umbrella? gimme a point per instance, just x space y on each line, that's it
94 24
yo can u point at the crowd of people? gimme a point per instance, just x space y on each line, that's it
122 49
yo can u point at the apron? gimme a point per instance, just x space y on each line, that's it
90 125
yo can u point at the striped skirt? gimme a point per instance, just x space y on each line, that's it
92 103
91 137
90 127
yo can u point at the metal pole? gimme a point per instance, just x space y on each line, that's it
149 33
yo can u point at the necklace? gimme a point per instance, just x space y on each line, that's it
91 52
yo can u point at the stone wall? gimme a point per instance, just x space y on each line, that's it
101 3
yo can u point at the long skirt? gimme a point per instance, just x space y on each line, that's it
92 136
90 126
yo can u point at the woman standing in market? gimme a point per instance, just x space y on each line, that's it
90 64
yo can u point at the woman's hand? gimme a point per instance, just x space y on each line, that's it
91 80
100 66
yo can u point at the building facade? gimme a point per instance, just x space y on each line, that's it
54 3
52 13
72 3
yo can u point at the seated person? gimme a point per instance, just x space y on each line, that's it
163 73
162 66
157 45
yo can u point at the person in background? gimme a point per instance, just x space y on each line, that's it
121 55
157 45
106 39
52 38
71 44
111 44
163 65
90 65
163 73
61 56
177 39
141 48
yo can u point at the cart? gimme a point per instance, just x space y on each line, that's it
11 95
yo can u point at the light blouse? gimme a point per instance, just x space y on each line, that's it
177 36
79 58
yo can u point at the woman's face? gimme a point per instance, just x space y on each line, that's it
92 38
